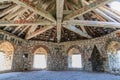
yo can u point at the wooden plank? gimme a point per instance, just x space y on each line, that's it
16 29
32 29
30 16
86 9
112 10
13 23
113 15
83 27
3 0
4 6
93 23
101 13
76 30
6 11
12 15
41 12
104 15
26 27
59 11
37 32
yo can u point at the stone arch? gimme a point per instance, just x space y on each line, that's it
112 46
41 46
113 51
7 51
70 52
76 47
111 40
10 43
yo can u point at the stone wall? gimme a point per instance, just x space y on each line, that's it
58 53
57 59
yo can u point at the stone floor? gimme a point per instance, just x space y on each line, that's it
52 75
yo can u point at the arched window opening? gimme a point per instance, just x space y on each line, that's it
74 58
6 56
114 56
40 59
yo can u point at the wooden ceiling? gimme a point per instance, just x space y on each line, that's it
58 20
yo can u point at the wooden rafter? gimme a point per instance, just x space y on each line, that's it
104 15
86 9
30 16
76 30
3 0
17 15
26 27
31 29
6 27
93 23
12 23
83 27
17 12
112 10
101 13
6 11
110 13
16 29
60 6
41 12
14 36
37 32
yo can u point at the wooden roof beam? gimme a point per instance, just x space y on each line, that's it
4 6
26 27
17 15
3 0
104 15
37 32
6 11
76 30
115 16
83 27
30 16
32 29
16 29
41 12
112 10
101 13
6 27
12 23
86 9
11 15
93 23
60 6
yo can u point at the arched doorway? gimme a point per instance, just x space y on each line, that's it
96 60
74 58
40 58
114 56
6 55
